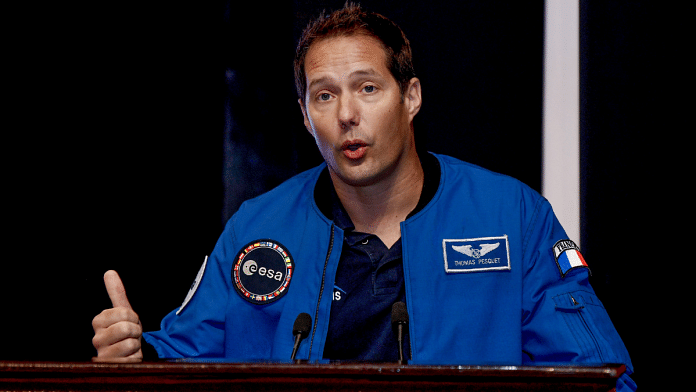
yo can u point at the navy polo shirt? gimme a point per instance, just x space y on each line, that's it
369 280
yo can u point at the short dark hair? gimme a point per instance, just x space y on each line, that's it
350 20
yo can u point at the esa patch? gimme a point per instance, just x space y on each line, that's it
568 256
476 254
262 271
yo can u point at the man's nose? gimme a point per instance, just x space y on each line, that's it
348 113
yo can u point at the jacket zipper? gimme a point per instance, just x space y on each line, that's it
402 227
321 291
408 303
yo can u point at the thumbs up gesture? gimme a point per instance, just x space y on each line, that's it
117 331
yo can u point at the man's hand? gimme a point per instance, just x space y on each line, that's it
117 331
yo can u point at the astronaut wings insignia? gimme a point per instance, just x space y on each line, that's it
481 254
476 253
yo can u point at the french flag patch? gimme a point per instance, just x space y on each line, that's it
568 256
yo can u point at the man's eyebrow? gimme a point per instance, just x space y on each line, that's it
320 81
370 72
364 72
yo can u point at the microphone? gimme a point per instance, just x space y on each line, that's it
399 321
301 328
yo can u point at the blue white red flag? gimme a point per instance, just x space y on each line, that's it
568 256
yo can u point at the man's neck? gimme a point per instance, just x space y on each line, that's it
380 208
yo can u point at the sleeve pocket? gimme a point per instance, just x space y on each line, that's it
590 325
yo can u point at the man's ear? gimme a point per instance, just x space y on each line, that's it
413 98
307 124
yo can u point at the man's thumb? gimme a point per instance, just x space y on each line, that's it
116 291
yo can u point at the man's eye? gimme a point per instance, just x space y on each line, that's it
369 89
324 97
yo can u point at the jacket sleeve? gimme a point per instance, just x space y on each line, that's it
563 321
197 328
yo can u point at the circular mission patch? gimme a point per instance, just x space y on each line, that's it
262 271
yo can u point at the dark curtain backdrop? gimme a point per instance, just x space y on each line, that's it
145 128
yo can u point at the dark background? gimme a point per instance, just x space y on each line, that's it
140 130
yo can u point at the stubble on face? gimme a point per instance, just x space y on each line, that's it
362 136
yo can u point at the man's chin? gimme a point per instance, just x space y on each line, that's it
359 175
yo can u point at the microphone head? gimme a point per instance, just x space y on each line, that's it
303 324
399 314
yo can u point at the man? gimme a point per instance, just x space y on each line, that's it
486 271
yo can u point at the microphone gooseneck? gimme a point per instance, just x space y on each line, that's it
300 330
399 321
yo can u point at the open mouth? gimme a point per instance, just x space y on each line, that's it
353 145
354 149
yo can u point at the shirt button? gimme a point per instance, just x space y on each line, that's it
365 241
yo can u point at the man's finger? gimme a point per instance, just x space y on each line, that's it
120 349
116 291
109 317
123 330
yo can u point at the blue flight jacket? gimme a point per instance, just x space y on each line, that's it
484 281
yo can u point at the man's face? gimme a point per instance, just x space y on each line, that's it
355 111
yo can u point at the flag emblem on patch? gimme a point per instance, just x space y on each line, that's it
568 256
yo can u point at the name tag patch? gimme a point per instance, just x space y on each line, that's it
476 254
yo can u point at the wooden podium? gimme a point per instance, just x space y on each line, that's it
200 376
